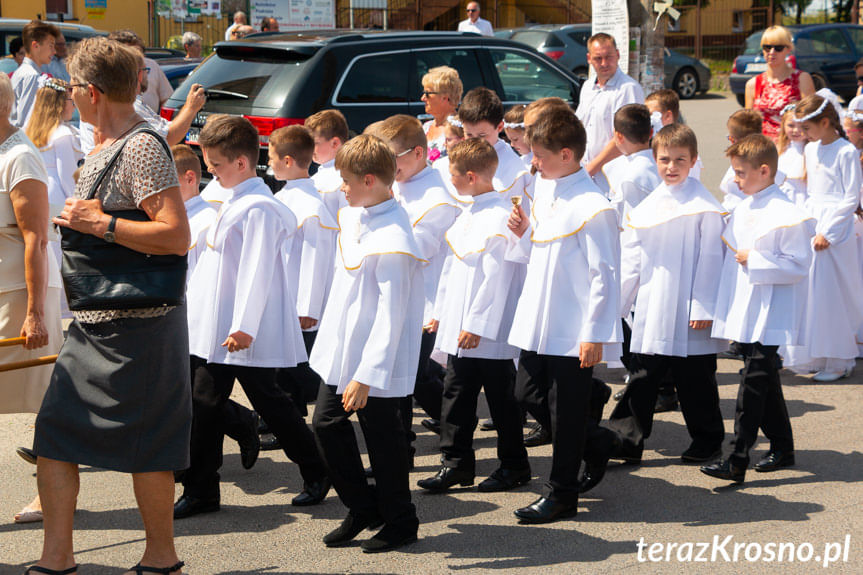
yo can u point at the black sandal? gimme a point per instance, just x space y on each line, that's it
141 569
46 571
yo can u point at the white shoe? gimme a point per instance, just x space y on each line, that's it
826 376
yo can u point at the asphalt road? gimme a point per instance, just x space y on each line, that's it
815 506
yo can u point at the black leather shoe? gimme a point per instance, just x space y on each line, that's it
187 506
270 442
446 478
312 493
351 526
619 395
545 510
628 453
504 480
432 425
250 447
487 425
695 455
775 460
725 470
594 470
537 437
26 454
388 539
666 403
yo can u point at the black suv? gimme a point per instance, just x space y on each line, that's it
279 79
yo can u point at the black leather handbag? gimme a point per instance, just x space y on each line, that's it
100 275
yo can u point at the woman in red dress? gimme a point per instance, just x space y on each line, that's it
780 84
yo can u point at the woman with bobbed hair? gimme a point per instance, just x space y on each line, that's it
442 91
113 402
780 84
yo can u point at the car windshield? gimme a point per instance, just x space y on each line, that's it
753 44
534 38
262 80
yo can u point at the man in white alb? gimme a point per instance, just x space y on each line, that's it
601 96
474 23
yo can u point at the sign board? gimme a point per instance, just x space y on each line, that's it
612 17
295 13
95 9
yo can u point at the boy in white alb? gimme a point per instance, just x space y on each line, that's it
761 303
473 316
240 423
670 270
420 190
330 131
367 350
631 177
568 308
481 115
311 260
242 320
664 107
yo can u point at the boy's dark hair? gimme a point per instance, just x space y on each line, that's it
367 154
481 105
231 136
668 101
328 124
15 44
744 123
756 150
296 142
556 129
37 31
186 160
474 155
633 122
676 136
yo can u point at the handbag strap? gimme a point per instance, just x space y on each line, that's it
145 129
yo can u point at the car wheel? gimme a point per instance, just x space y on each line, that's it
581 74
686 83
819 82
741 99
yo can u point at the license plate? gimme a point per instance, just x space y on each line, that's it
756 67
192 135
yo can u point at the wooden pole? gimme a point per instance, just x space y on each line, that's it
28 363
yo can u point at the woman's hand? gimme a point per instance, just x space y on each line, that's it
34 331
85 216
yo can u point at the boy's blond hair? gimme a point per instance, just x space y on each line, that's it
401 132
668 101
537 107
676 136
744 123
474 155
296 142
367 154
756 150
185 160
328 124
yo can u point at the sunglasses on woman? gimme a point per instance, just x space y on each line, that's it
774 47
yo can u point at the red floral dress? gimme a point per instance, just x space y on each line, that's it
772 97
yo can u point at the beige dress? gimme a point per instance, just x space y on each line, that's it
21 390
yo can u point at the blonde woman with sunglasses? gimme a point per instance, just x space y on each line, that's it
780 84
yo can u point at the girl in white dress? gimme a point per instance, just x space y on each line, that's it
853 124
834 308
60 145
790 144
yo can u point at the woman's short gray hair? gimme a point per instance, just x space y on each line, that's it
110 66
7 95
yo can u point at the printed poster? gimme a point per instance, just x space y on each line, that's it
612 17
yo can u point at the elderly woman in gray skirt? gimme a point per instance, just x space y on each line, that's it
119 397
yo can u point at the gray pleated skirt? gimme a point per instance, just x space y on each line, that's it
120 396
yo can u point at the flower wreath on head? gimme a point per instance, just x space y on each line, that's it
48 81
